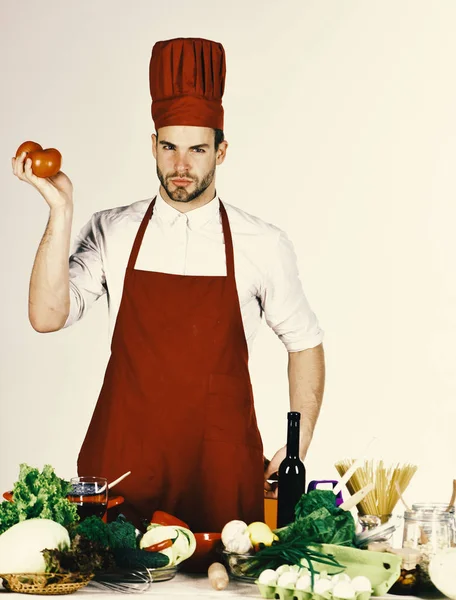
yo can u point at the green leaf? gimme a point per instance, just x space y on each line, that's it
43 495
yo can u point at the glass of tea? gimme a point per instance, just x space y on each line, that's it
90 494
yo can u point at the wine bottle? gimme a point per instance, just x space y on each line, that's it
292 474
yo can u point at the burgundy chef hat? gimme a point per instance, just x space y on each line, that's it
187 80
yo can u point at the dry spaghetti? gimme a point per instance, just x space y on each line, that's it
384 497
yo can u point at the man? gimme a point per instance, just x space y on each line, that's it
187 279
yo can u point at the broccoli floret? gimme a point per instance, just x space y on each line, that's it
121 534
93 529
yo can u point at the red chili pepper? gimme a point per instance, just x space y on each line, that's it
159 546
163 518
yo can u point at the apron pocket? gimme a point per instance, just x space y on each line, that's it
230 415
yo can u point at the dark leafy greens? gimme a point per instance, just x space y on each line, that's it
319 520
314 500
83 557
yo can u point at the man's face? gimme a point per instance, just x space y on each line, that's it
186 160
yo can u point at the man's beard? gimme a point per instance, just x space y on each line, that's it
180 194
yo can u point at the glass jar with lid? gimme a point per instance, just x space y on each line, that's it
428 532
438 507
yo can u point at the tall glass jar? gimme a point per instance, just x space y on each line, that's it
428 532
438 507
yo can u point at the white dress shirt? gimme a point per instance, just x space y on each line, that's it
266 272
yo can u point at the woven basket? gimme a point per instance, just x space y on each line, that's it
45 583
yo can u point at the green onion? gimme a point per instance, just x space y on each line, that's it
293 552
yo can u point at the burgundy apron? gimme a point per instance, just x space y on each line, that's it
176 407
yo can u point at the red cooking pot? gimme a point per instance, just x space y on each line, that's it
112 501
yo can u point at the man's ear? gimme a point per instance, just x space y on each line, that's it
154 145
221 152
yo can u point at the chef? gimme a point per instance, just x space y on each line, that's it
187 278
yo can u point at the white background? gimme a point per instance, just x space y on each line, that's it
341 118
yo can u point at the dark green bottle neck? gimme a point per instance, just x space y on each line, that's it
294 419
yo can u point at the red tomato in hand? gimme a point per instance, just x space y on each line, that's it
45 163
28 147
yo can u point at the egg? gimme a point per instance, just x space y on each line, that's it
340 577
361 584
303 583
295 568
282 569
268 577
343 590
322 586
288 579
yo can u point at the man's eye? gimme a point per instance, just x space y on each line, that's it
199 150
168 147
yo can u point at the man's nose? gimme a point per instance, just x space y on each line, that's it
182 163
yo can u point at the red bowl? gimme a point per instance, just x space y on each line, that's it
205 554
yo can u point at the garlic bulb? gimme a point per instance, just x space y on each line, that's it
235 537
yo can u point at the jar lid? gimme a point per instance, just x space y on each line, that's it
427 516
373 535
434 507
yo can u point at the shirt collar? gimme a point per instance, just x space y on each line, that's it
196 218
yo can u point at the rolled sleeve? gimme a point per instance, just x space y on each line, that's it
284 303
87 277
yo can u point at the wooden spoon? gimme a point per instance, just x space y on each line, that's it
453 497
115 482
356 498
401 497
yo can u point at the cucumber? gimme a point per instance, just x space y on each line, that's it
133 558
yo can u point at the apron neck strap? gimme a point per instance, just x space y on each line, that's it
229 253
139 236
